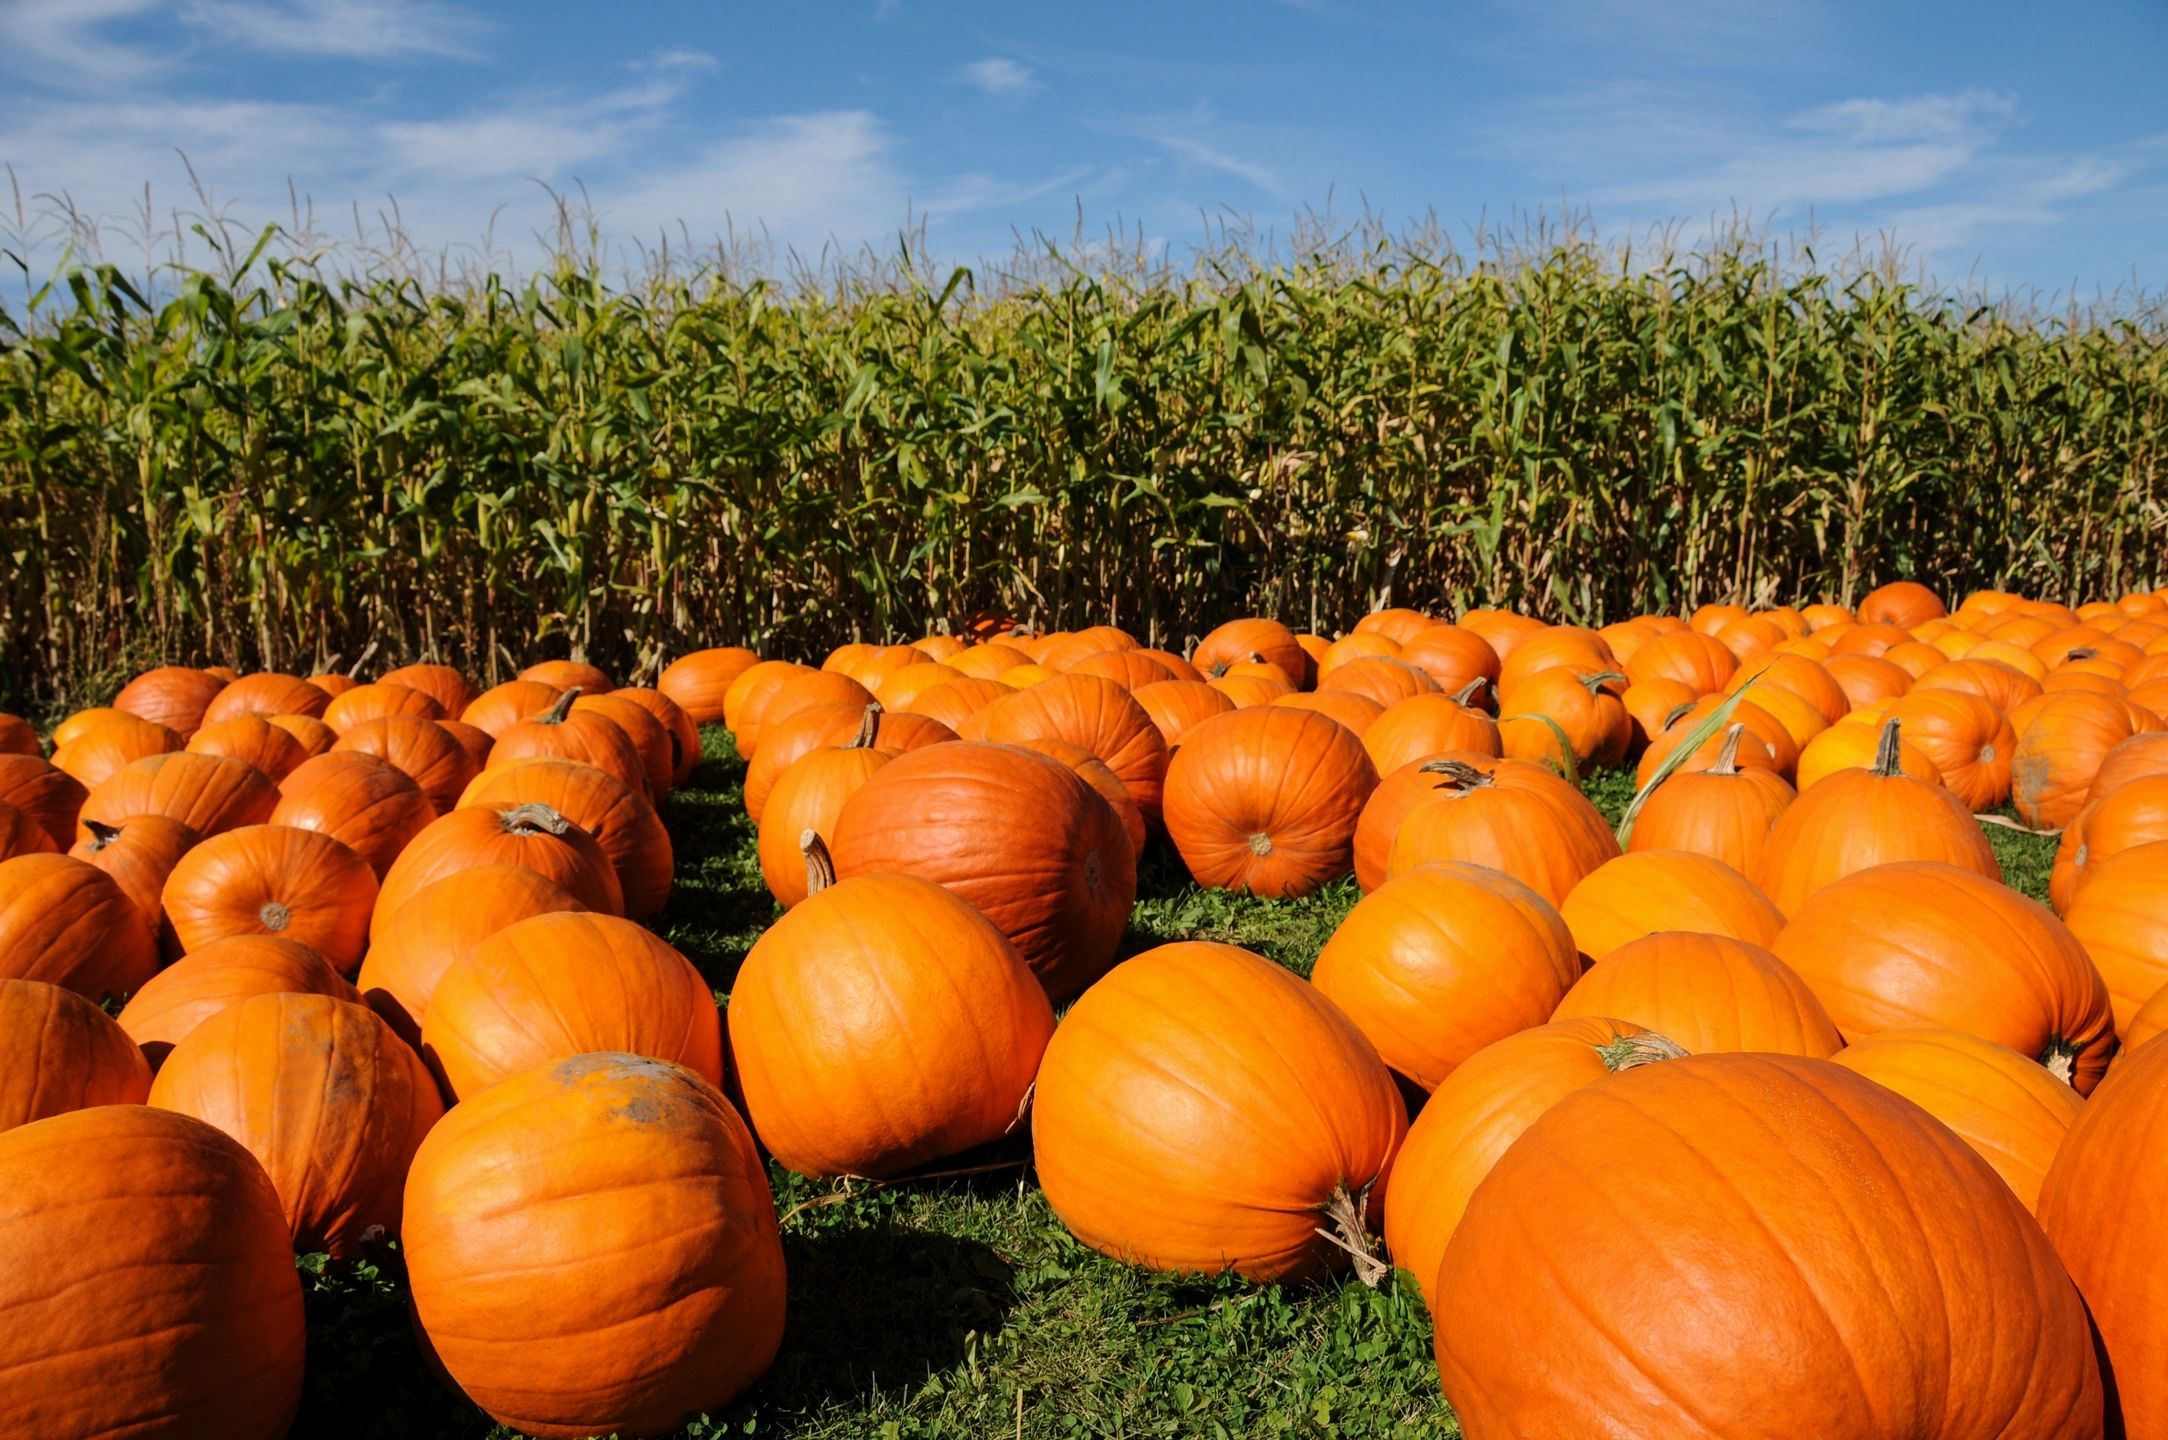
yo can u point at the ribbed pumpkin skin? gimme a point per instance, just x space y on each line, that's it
1378 822
1477 1114
65 922
1266 800
654 744
62 1054
138 855
217 977
1443 960
1709 993
1803 1253
268 692
364 802
1639 894
2121 918
568 983
620 818
381 701
252 740
746 702
684 734
818 727
450 688
94 757
210 794
1969 740
565 674
2138 756
1017 835
1178 706
172 695
1236 641
1902 946
273 880
593 1249
322 1093
1098 715
430 754
1425 725
2105 1207
2062 741
21 835
147 1287
1198 1110
810 795
548 844
882 1024
582 735
2131 815
699 681
499 708
1511 816
442 925
2003 1104
47 794
1857 819
1094 772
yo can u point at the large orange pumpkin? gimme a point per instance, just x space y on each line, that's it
882 1024
2132 814
1638 894
698 682
1203 1110
267 692
273 880
94 757
1477 1114
255 741
322 1093
1444 959
2003 1104
363 801
1378 823
1707 992
747 700
656 746
1802 1252
220 975
1511 815
570 675
2138 756
1091 712
1266 800
442 924
562 733
1969 740
45 793
818 727
138 856
1178 706
664 1288
683 734
2062 741
172 695
498 709
1917 943
1452 655
64 921
1425 725
1903 603
1018 835
533 836
449 687
63 1054
1724 812
1237 641
210 794
2120 916
147 1280
21 835
426 751
620 818
810 795
382 701
1576 703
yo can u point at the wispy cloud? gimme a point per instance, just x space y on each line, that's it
342 29
999 76
63 37
1212 157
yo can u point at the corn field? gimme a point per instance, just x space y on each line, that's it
268 462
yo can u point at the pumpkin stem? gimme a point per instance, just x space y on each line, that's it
1260 844
1677 713
820 866
1596 680
1646 1048
2060 1059
101 834
1459 774
1349 1231
869 726
1888 756
1727 754
275 917
559 709
2082 652
534 818
1466 694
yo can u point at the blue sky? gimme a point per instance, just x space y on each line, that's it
2012 145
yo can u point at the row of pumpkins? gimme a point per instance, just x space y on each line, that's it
380 978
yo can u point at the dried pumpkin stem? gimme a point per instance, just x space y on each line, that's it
1349 1231
1466 694
2060 1059
869 727
820 866
1647 1048
1888 752
1459 774
559 709
101 834
1597 679
1727 754
535 818
275 917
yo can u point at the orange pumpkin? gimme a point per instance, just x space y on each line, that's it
1918 943
1709 993
620 818
172 695
138 856
64 921
93 757
1177 706
252 740
44 792
1583 706
63 1054
1281 1112
1397 624
1636 895
650 740
1442 961
441 925
1903 603
1855 745
534 836
2128 816
218 976
567 1161
266 693
749 696
273 880
21 835
852 1050
1091 712
361 800
818 727
1724 812
1510 815
953 702
1356 712
381 701
1266 800
1237 641
1766 745
428 752
2062 740
1869 679
314 736
446 685
1425 725
147 1279
1453 656
570 675
1969 740
210 794
678 727
497 710
699 682
2120 916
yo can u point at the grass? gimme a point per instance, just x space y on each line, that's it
960 1307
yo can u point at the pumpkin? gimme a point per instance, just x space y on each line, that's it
1246 690
699 682
534 836
569 675
1266 800
882 1024
382 701
1767 745
171 695
988 661
807 688
1638 894
1857 819
477 742
869 666
147 1280
1694 660
663 1295
322 1093
809 796
1017 835
1382 679
18 737
749 696
620 818
2003 1104
1094 772
266 693
314 736
2104 1205
219 975
2131 815
2150 1021
1239 641
273 880
818 727
138 856
1480 1110
63 1054
333 683
93 757
1398 624
252 740
1425 725
1919 943
1181 669
1969 740
1855 745
1724 812
441 925
2120 916
80 723
2062 740
1710 993
21 835
1902 603
956 701
1091 712
44 792
655 744
1358 644
1356 712
1651 706
1554 647
1443 960
683 734
1453 656
1202 1110
498 709
566 983
65 921
2138 756
449 687
1126 668
563 733
1582 707
210 794
1510 815
1803 1252
1869 679
361 800
1178 706
1502 630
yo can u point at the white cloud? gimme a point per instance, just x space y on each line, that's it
1000 77
1211 157
345 29
41 37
